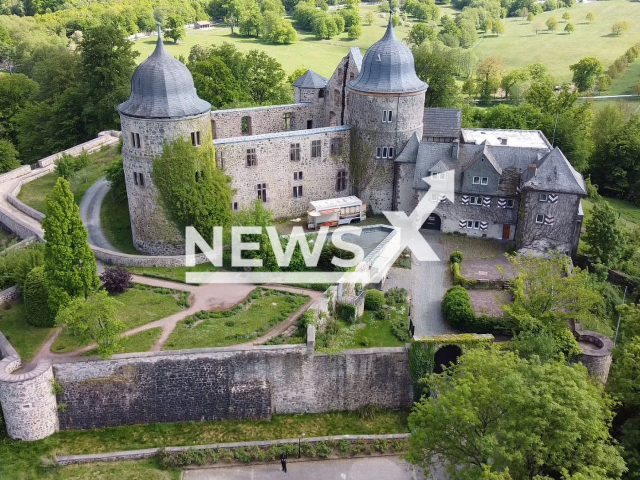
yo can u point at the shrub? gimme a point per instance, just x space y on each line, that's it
380 314
116 279
306 319
36 300
241 455
323 450
400 330
456 307
395 295
458 279
381 445
347 312
365 342
367 412
373 300
16 264
343 446
456 256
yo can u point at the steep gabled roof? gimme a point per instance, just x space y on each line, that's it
356 54
442 122
440 167
488 154
410 151
554 173
311 79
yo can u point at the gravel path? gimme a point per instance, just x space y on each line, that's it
90 213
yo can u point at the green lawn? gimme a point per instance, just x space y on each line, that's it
25 338
116 224
21 460
138 342
139 307
626 83
252 321
34 193
176 274
322 56
632 103
520 46
629 212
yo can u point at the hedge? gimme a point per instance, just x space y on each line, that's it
456 256
374 300
36 299
457 311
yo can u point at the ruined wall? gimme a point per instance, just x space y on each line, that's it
228 123
227 383
275 168
153 233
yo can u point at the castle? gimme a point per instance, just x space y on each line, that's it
365 131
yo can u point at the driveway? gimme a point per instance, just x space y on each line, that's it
90 213
430 281
374 468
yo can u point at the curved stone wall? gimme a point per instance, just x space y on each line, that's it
28 403
153 233
597 353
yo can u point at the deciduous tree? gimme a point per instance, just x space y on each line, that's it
585 73
175 29
552 24
603 235
8 156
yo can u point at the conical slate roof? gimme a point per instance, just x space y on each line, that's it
311 79
388 67
162 87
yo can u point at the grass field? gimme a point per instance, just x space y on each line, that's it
34 193
261 314
21 460
322 56
139 307
520 46
25 338
176 274
377 333
626 83
138 342
116 224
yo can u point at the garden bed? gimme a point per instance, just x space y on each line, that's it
141 304
260 312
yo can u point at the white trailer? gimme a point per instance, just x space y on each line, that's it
336 211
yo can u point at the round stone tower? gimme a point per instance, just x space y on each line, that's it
163 106
385 108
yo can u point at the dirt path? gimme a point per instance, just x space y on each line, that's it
202 297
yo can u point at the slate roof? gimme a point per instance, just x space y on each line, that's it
554 173
162 87
311 79
388 67
410 151
442 122
357 56
486 153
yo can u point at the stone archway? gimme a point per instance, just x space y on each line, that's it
445 356
433 222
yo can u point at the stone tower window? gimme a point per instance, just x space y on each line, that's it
316 149
336 146
262 192
245 125
252 161
309 124
341 180
387 116
213 128
138 179
286 121
297 191
297 175
234 205
135 140
294 152
195 139
321 93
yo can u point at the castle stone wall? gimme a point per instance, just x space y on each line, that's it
263 120
228 383
308 95
276 169
153 233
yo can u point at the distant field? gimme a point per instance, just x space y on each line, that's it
322 56
520 46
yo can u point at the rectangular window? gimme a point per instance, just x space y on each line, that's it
245 125
387 116
384 152
294 152
484 181
510 202
316 149
476 225
297 175
135 140
286 121
336 146
234 206
135 178
540 218
473 200
195 139
141 179
220 160
543 197
297 191
378 152
309 124
476 180
341 180
469 223
336 96
321 93
262 192
390 152
251 157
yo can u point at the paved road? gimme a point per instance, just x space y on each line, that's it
375 468
90 213
430 281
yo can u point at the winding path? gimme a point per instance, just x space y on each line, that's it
204 297
90 213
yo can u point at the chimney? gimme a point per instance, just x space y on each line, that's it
533 169
504 140
455 149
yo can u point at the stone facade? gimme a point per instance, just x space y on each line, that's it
272 167
153 233
228 383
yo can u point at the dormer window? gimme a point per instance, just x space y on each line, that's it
480 180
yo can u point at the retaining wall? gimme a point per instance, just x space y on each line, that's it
108 137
